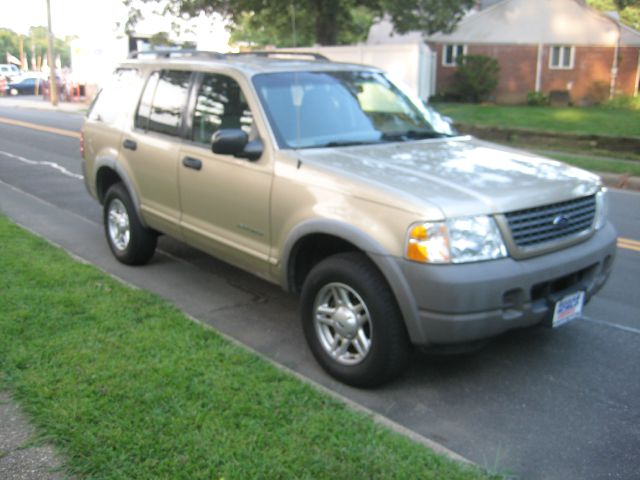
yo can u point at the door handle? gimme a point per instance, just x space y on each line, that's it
129 144
191 162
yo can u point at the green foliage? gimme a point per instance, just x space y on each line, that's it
35 42
271 28
597 165
128 388
587 120
324 22
537 99
426 16
260 29
161 39
625 102
8 44
629 10
476 77
621 4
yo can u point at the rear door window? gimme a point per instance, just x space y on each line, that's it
163 102
144 109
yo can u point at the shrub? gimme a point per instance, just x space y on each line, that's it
625 102
476 77
537 99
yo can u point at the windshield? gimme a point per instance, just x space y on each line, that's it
325 109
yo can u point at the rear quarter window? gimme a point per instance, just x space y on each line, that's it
117 97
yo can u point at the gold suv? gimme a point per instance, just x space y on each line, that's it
339 185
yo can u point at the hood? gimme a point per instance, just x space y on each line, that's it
461 176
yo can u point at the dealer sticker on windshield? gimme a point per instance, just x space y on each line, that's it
567 309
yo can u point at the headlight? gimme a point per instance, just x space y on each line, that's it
458 240
602 209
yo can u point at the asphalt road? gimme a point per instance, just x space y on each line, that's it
537 403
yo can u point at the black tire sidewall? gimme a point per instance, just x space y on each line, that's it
389 342
142 242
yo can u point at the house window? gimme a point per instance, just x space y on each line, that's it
451 52
561 57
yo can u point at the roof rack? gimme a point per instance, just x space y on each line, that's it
281 53
175 53
179 52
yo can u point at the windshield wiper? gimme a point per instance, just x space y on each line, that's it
343 143
413 135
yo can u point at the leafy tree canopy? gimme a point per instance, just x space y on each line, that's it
629 10
34 41
324 22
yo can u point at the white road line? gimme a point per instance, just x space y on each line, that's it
613 325
43 163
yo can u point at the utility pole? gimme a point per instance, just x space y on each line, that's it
21 44
53 83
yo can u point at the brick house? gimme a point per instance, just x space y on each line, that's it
544 46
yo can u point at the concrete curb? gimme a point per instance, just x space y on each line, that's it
38 103
621 182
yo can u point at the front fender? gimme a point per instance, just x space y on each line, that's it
387 264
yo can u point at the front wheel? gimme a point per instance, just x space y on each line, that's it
130 242
352 322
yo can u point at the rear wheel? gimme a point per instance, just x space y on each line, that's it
130 242
352 322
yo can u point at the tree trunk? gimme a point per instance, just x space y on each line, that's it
327 12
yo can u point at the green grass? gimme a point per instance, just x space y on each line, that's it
592 120
596 165
127 387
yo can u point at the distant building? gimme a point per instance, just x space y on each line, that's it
543 46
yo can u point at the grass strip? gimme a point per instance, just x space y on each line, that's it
125 386
588 163
584 120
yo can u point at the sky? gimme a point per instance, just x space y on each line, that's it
68 17
95 20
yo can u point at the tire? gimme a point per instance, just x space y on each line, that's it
130 242
352 322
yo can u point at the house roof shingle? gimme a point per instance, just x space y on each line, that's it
563 22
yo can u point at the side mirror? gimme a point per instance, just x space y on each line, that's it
229 141
234 141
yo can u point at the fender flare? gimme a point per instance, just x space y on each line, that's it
113 164
388 265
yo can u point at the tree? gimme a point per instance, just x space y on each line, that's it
622 4
38 38
426 16
35 41
325 22
629 10
264 28
8 43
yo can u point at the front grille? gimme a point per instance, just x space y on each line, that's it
534 226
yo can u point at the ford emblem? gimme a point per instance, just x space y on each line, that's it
561 221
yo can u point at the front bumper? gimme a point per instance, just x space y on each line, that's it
463 303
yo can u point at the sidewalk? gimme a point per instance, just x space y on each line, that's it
38 103
20 457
